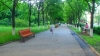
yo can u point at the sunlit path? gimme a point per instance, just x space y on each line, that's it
60 43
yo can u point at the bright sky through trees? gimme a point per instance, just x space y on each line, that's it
63 0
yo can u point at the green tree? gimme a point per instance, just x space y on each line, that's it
12 9
54 10
91 8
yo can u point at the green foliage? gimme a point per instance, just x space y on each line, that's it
6 4
33 24
5 14
32 18
54 9
96 30
22 11
21 23
5 22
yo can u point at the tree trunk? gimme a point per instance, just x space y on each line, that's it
92 16
43 12
29 5
13 16
47 18
38 17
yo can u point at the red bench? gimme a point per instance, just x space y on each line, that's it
25 33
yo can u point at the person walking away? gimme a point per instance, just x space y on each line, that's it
52 28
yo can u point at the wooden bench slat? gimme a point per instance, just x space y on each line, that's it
25 35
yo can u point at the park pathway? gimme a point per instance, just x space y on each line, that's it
60 43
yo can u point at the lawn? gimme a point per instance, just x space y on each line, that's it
93 41
6 33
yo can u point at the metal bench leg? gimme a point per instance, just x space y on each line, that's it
33 35
23 39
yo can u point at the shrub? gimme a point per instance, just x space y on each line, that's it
33 24
21 23
96 30
5 22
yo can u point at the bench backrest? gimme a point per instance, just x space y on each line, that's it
25 31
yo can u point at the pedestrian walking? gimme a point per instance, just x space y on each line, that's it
52 28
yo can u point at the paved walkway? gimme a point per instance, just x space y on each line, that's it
61 43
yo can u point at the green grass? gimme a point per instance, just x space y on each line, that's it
93 41
6 33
